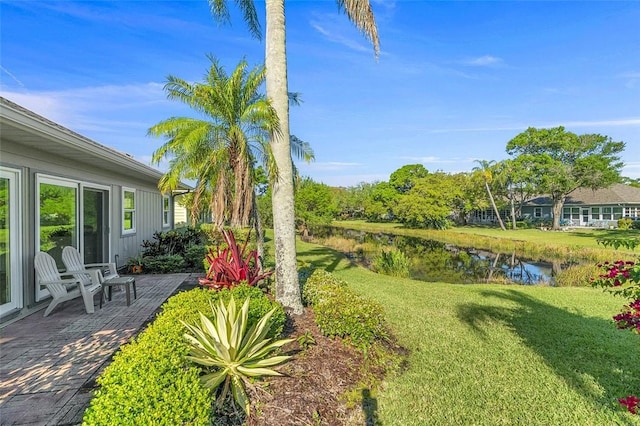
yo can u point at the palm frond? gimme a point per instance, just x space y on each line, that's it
361 14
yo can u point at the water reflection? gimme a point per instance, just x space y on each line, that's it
431 260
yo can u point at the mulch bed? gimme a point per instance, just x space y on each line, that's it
315 382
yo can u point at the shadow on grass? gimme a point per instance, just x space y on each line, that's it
370 409
577 347
324 257
604 234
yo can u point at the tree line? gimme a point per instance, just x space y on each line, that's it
551 162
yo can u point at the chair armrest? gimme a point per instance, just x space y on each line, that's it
58 288
95 275
64 281
110 265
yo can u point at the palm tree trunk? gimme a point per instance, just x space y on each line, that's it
287 286
257 224
219 201
493 204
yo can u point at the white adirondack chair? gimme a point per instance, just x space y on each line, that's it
63 289
73 262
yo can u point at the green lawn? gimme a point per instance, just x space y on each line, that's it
496 354
586 237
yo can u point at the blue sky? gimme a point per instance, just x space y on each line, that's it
455 81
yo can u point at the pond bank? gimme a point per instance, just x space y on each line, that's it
562 250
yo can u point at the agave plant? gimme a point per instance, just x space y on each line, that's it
230 266
234 353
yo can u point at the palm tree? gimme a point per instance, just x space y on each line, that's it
360 13
485 169
218 152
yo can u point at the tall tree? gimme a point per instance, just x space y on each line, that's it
430 202
563 161
405 177
360 13
218 151
485 169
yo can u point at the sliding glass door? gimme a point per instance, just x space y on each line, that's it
58 219
10 241
95 225
64 208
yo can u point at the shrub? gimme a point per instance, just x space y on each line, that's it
163 264
392 262
318 286
171 242
576 275
339 312
151 382
624 223
193 256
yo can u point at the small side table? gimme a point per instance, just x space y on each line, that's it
127 282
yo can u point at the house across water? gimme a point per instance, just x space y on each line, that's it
588 207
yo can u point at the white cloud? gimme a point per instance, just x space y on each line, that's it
329 166
334 35
437 160
350 180
483 61
631 170
86 108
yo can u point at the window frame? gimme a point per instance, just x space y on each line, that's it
133 229
537 212
166 211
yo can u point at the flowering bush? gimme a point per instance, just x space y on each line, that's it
631 402
622 278
630 317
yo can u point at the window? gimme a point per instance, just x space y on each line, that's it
617 213
606 213
595 213
128 210
571 213
537 212
166 211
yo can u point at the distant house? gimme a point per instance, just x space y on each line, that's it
588 207
60 188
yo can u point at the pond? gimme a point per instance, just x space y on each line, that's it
431 260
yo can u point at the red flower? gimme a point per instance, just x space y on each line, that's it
631 402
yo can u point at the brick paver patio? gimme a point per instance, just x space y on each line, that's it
48 366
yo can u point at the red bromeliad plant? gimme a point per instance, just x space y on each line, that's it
232 265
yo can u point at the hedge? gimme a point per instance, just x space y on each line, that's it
340 312
150 381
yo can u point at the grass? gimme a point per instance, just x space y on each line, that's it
494 355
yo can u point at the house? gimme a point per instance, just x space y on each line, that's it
60 188
587 207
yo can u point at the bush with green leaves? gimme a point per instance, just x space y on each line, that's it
150 382
163 264
624 223
174 241
340 312
391 262
318 285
